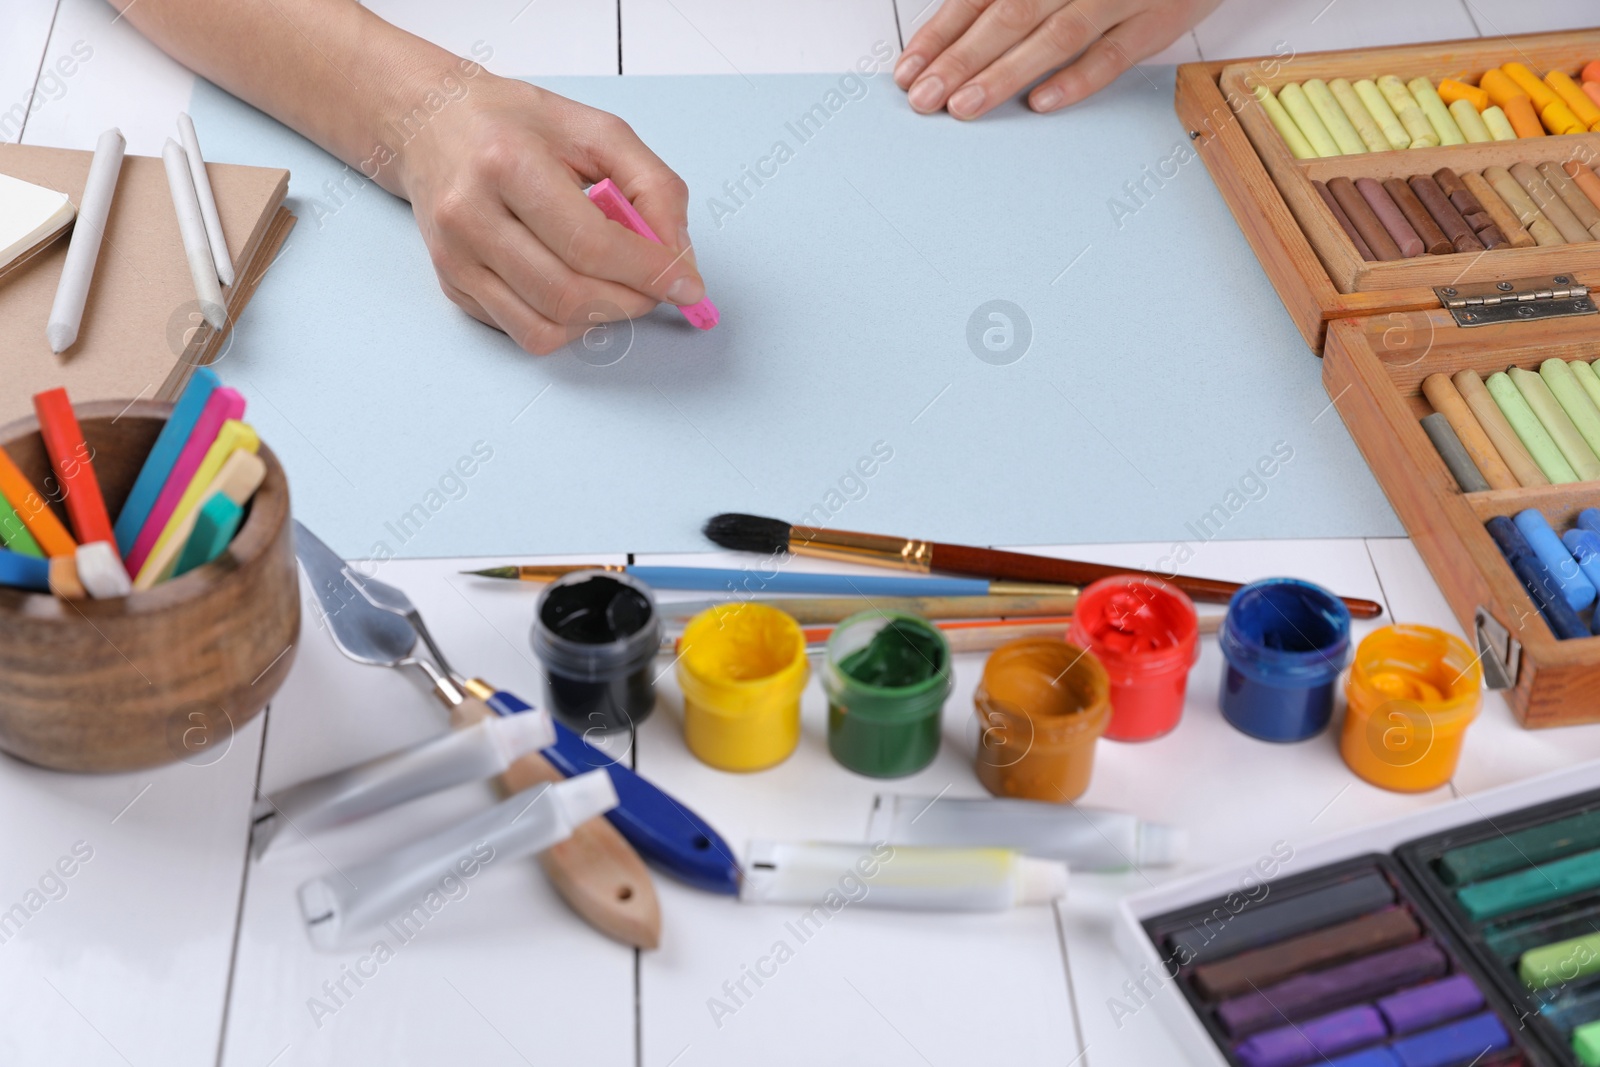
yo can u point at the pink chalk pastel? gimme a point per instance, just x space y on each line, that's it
614 206
223 404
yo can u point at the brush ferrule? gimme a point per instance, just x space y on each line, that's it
549 572
852 547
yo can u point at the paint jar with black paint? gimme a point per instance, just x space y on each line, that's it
597 633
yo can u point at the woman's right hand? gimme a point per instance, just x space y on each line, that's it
496 182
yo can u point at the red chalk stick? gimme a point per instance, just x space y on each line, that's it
72 460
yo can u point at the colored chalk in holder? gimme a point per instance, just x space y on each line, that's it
596 634
1411 694
887 676
1539 583
19 571
1146 635
1041 706
1285 642
742 668
1575 587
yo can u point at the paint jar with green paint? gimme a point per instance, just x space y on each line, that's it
887 676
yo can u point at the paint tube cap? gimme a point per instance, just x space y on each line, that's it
1040 881
523 732
1161 845
583 796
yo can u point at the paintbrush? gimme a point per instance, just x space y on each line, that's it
742 582
752 533
824 611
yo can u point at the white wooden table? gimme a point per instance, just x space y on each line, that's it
168 947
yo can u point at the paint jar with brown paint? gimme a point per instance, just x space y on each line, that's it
1041 706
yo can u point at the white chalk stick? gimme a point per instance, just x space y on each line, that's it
208 202
193 230
94 208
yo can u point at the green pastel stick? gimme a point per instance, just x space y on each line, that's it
1556 423
1536 885
1560 962
14 534
1586 1044
214 526
1510 852
1529 430
1586 378
1573 400
1333 117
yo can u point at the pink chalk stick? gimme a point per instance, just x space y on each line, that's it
614 206
224 404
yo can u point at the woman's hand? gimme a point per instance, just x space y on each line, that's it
496 182
975 54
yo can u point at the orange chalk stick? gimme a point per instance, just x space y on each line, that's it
1519 112
1529 82
33 510
1572 94
74 466
1585 179
1591 71
1499 87
1451 90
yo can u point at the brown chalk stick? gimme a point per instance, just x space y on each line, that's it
1447 401
1365 222
1501 435
1515 197
1492 238
1458 193
1425 192
1344 221
1434 241
1561 217
1582 208
1390 215
1505 219
1380 930
1585 179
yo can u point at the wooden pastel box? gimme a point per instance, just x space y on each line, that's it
1383 327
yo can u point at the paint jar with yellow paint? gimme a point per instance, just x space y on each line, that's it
742 668
1412 692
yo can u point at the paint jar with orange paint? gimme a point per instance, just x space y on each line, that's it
1041 706
1412 692
1146 635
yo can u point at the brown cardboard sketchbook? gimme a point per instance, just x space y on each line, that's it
142 335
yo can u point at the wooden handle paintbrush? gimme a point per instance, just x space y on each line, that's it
752 533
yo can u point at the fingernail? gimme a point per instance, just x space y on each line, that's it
908 68
686 290
925 95
966 102
1046 99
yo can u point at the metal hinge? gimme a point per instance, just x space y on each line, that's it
1486 303
1498 651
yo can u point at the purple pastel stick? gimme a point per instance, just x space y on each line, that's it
1336 987
1314 1039
1436 1002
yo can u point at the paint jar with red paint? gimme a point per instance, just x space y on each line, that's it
1146 634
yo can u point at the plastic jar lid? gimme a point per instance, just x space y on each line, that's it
593 626
1137 627
1286 632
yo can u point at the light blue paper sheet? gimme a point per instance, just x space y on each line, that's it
1163 380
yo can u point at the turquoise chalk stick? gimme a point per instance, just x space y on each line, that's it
214 527
1536 885
163 454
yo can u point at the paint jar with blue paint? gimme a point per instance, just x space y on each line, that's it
1285 642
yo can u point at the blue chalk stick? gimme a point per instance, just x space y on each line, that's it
1541 586
214 527
24 572
1447 1046
1575 588
1372 1057
163 454
1589 519
1585 548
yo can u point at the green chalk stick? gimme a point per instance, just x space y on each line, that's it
214 526
14 534
1510 852
1560 962
1556 423
1574 400
1586 1043
1536 885
1586 378
1528 429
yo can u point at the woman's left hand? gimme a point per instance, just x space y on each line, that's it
975 54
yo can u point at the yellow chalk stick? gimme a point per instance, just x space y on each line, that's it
1394 131
1356 112
1411 116
1299 147
1294 101
234 435
1333 117
1499 126
1572 94
1470 122
1559 119
1529 82
239 477
1427 98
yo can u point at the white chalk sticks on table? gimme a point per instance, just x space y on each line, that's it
94 208
192 228
208 203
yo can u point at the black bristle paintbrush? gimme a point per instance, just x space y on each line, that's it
752 533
